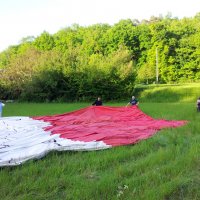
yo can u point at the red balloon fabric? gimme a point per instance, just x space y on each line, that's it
114 126
88 129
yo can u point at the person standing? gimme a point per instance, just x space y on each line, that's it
1 108
133 101
198 104
98 102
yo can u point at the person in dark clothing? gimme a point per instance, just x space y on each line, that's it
98 102
198 104
133 101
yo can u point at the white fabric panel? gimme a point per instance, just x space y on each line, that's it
23 138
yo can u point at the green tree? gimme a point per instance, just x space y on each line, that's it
146 73
44 42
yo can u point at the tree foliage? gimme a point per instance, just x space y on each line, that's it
81 63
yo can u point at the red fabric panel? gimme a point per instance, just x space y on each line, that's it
113 125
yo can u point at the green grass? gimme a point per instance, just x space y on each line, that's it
184 93
166 166
36 109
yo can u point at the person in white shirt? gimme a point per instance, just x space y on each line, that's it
1 108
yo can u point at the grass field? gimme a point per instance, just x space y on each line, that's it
166 166
184 93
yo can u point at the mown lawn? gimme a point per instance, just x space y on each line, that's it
166 166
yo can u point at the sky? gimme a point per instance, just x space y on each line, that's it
22 18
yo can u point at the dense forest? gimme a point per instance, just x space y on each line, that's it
80 63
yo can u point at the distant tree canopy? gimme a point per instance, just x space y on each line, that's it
81 63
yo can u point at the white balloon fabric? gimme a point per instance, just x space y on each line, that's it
23 138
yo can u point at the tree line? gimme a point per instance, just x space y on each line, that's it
80 63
